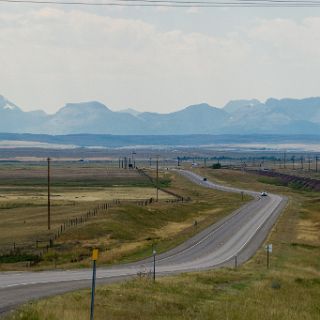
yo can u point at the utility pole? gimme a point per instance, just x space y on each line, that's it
301 160
293 162
316 163
49 204
133 161
309 164
284 160
157 178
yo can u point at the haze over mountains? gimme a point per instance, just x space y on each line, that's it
285 116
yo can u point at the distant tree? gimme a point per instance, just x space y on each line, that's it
216 166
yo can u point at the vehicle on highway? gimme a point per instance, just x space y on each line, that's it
204 179
263 194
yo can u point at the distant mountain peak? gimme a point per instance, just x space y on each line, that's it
275 116
5 104
84 107
236 105
131 111
202 106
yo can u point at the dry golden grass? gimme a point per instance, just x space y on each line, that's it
76 195
289 290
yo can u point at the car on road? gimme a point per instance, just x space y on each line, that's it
263 194
204 179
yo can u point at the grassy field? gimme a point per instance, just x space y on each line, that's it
75 190
290 289
123 233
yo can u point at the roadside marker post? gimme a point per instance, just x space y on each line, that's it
268 248
95 254
154 252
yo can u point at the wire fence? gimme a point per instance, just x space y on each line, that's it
178 197
41 246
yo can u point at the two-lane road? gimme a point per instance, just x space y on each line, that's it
240 234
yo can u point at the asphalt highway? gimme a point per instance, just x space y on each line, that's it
236 237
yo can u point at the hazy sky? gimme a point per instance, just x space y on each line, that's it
154 59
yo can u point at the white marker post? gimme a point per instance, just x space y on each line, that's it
268 248
95 254
154 252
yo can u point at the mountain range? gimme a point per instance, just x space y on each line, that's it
285 116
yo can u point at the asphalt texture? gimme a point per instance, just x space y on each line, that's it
235 238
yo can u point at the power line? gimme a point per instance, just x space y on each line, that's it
178 4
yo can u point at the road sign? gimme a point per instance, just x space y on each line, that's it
268 248
95 254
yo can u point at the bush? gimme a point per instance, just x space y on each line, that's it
216 166
19 257
275 284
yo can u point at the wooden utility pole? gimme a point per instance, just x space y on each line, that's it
49 204
293 158
157 178
316 163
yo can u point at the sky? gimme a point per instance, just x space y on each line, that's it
156 59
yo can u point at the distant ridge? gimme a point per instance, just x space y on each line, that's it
135 141
285 116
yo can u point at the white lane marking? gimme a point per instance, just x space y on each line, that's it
199 180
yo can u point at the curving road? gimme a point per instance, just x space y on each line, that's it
238 235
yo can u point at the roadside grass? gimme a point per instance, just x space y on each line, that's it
290 289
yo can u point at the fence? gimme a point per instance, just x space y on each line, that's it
178 197
41 246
